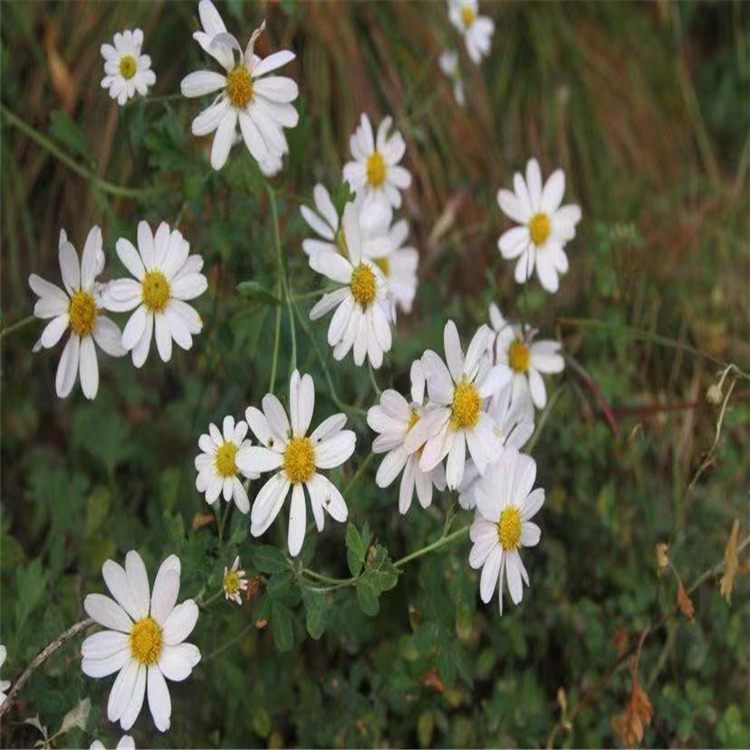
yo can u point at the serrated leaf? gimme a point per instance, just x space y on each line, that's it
254 290
367 596
269 559
355 550
281 625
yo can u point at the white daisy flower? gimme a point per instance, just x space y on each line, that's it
362 317
234 582
260 106
514 425
217 469
144 640
457 416
77 309
4 684
545 225
398 262
126 70
375 172
448 62
476 30
393 418
527 359
502 524
126 743
165 277
295 457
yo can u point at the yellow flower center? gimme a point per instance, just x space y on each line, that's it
539 228
240 87
466 405
383 264
509 528
224 460
128 66
82 313
343 248
155 290
468 14
146 641
232 582
299 459
376 169
518 356
363 285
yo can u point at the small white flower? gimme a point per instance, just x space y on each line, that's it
4 684
294 457
545 225
78 309
166 275
126 70
448 62
393 418
457 416
375 172
234 582
260 106
217 469
514 425
527 359
363 307
476 30
144 640
502 524
126 743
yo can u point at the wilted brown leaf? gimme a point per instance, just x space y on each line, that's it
432 679
202 519
628 725
684 602
730 563
620 640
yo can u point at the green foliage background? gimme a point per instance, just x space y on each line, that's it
645 107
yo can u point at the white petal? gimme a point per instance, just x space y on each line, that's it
122 690
88 368
138 582
297 520
180 623
490 572
67 369
202 82
177 662
159 702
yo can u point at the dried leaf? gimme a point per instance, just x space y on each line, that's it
730 563
662 558
628 725
684 602
76 717
432 679
202 519
620 640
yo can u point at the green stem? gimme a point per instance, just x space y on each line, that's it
372 378
50 147
360 471
529 447
17 326
463 531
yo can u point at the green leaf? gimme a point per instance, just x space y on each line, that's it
254 290
367 595
269 559
30 582
65 130
281 625
317 613
278 584
355 550
99 502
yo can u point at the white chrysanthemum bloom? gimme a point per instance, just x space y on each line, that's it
398 263
234 582
260 106
457 416
144 640
218 473
502 524
545 225
393 418
363 306
375 172
126 743
4 684
527 359
295 458
476 30
448 62
126 70
514 425
166 276
78 309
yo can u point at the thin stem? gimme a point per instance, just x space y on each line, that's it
81 171
43 655
211 599
17 326
543 419
275 350
463 531
229 643
360 471
372 378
